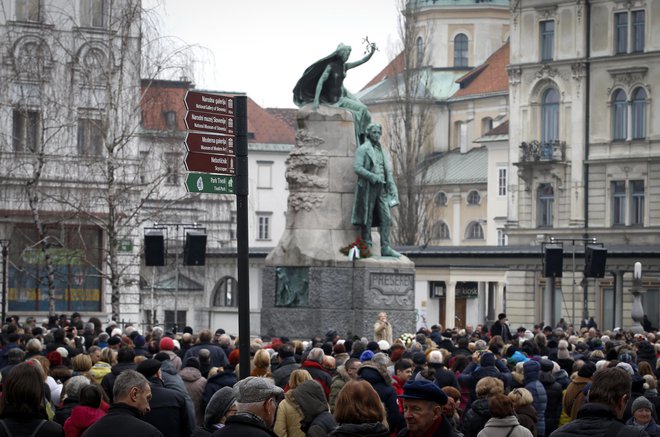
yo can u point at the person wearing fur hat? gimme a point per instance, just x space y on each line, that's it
642 417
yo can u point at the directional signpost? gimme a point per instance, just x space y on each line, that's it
210 183
217 159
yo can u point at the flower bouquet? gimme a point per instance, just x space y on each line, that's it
361 247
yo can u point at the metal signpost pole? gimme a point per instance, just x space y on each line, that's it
5 254
242 237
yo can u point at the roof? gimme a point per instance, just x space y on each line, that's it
269 147
436 83
490 77
397 65
455 167
499 133
287 115
459 3
264 127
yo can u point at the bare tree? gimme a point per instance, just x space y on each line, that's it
409 127
85 168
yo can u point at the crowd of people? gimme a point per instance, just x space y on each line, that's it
70 377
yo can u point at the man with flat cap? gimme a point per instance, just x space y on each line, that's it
168 407
256 403
422 410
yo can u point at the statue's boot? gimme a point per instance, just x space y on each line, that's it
388 251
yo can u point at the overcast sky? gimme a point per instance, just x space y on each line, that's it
261 47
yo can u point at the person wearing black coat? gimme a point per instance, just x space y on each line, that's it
554 393
221 379
285 355
125 358
381 381
168 407
600 417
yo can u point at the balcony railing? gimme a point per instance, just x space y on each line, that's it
542 151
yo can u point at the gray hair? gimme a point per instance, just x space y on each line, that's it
157 331
73 386
125 382
224 340
316 354
34 345
381 359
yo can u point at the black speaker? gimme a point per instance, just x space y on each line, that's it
154 248
553 260
194 252
595 258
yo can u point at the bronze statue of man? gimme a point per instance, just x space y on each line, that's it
375 191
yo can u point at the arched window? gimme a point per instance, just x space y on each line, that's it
226 293
440 231
473 198
440 199
474 232
420 51
545 203
639 114
460 50
619 115
550 117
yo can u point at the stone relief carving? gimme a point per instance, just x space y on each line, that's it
515 75
547 72
306 201
305 163
547 13
627 77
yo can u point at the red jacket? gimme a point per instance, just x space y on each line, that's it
81 418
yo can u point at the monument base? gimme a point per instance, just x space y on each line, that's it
344 298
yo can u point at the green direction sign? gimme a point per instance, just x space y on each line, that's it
210 183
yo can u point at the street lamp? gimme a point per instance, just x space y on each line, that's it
637 312
5 254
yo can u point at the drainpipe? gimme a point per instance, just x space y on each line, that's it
587 118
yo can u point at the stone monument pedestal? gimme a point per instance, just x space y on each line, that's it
309 286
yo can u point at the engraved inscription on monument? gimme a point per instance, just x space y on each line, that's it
392 288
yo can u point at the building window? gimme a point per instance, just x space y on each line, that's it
170 119
171 324
621 32
545 203
619 115
440 231
440 199
638 28
502 239
264 226
618 203
486 125
90 137
26 126
473 198
28 10
460 50
549 121
474 232
547 40
94 13
226 293
639 114
420 51
265 174
172 166
501 181
636 203
143 166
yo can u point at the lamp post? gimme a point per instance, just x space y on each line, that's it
5 253
637 312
